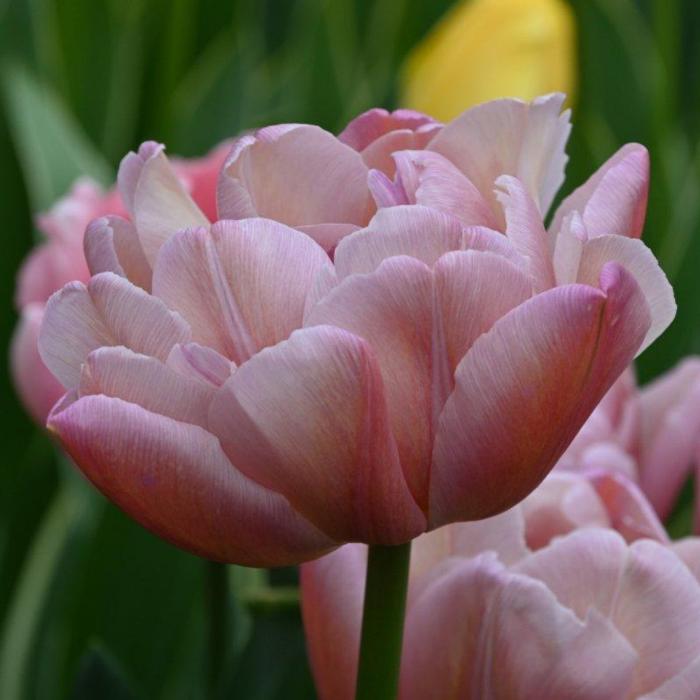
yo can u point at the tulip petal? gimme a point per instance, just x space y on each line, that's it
614 199
683 686
332 590
109 311
645 590
201 363
173 478
111 244
510 137
379 154
242 286
35 384
525 230
431 180
307 418
147 382
524 390
367 127
670 433
507 639
263 177
633 255
157 200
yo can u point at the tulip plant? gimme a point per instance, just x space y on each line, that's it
306 340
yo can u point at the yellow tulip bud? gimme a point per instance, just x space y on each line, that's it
485 49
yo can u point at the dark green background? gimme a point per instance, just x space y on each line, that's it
91 605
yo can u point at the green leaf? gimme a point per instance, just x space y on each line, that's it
51 146
101 676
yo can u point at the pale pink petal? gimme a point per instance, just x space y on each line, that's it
688 549
510 137
156 198
111 244
332 594
614 199
629 511
308 418
480 632
374 123
242 286
524 228
35 384
328 235
422 233
146 381
670 433
524 390
645 590
433 181
296 174
379 154
109 311
174 479
472 291
633 255
568 248
201 363
560 504
685 685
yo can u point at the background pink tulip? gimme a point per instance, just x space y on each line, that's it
546 600
61 258
649 434
429 371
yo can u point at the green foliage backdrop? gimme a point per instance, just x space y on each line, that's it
90 604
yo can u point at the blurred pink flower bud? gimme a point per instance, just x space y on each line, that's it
586 614
427 372
60 259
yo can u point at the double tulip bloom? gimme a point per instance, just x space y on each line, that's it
518 606
374 335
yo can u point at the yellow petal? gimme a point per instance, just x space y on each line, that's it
485 49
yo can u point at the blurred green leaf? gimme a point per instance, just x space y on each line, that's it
51 147
101 676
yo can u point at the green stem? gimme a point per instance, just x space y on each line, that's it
382 622
218 619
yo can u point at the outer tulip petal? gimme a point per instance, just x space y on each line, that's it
560 504
525 230
146 381
308 418
571 343
670 433
688 549
242 286
35 384
157 200
332 594
392 310
645 590
111 244
506 639
174 479
433 181
109 311
262 177
683 686
640 261
510 137
614 199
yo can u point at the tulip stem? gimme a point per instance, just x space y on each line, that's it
382 622
218 620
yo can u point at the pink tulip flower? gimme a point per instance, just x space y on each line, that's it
60 259
651 435
258 401
515 607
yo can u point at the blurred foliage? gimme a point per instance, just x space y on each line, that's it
90 604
